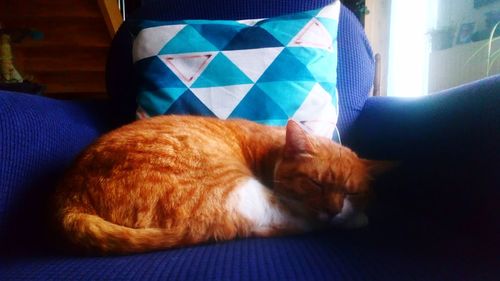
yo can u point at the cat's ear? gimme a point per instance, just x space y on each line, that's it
297 141
378 167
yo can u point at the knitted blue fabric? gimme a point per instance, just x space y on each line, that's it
355 65
329 255
448 149
39 137
458 120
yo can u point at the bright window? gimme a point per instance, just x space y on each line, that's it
428 46
410 46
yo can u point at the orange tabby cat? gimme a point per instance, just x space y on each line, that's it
172 181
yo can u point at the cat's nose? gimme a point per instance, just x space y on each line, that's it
335 204
327 215
323 216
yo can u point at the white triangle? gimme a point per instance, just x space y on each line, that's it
253 62
331 11
317 113
314 35
188 67
150 41
222 100
250 22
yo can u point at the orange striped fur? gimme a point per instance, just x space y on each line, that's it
174 181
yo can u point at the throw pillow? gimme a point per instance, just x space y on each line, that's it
264 70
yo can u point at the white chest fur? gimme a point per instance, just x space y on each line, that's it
254 202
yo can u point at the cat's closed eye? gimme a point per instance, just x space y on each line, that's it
317 185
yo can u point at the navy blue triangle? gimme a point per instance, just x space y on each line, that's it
257 106
218 34
189 104
154 74
252 38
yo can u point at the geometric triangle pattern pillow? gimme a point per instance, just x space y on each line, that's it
265 70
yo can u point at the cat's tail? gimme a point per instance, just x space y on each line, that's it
97 235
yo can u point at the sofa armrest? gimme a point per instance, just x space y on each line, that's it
39 137
448 149
457 123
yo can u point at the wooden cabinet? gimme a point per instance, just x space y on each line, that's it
70 59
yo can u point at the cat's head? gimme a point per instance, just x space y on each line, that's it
321 173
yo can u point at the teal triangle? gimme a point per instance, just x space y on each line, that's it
285 29
331 25
221 72
329 87
188 40
289 95
219 34
322 65
258 107
157 102
313 13
286 67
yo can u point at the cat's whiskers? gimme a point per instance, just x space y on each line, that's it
286 199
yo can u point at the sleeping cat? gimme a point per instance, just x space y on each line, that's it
173 181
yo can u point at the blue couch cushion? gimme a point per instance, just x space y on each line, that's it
330 255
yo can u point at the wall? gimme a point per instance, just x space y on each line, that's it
377 25
456 12
451 67
448 68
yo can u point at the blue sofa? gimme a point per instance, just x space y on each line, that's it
435 216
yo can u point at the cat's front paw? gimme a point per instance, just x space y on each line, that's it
349 217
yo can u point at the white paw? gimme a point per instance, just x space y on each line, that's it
349 218
356 220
